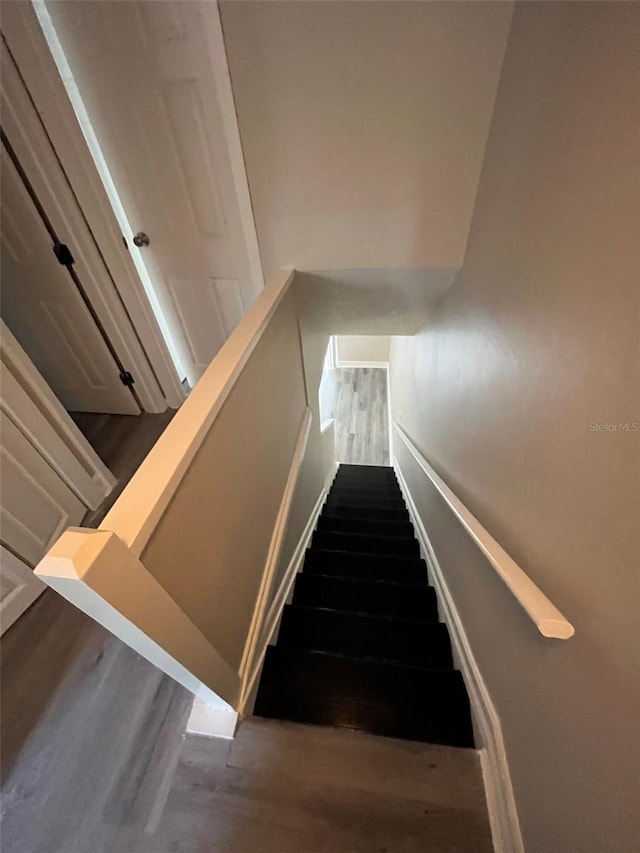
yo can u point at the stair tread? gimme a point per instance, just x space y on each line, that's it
374 618
376 526
380 698
361 645
366 543
368 512
351 565
370 636
404 601
370 582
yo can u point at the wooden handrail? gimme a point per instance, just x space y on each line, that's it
543 613
135 514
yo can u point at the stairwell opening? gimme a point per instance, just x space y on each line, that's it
354 393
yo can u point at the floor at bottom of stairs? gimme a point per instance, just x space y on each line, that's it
290 788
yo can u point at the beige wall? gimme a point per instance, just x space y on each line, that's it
371 348
536 340
363 126
209 549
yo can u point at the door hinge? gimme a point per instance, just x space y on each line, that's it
126 378
63 254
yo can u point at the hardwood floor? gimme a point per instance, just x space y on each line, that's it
90 731
122 442
90 734
357 399
287 788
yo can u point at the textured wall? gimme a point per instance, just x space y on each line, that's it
535 341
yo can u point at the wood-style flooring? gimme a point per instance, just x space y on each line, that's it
288 788
90 731
91 734
357 399
122 442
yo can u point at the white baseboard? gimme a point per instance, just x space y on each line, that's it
345 364
501 805
272 617
275 546
212 720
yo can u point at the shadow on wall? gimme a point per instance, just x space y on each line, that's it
370 301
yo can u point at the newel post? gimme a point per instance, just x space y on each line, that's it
96 571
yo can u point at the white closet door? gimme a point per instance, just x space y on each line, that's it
19 588
41 305
144 71
35 504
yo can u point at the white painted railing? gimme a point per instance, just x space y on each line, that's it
543 613
135 513
184 567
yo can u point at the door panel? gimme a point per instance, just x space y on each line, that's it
42 307
36 505
19 587
144 73
27 415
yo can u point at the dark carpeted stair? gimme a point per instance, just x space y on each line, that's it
361 645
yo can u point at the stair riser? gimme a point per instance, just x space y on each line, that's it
364 502
357 544
365 512
391 640
367 482
366 525
377 493
377 599
365 568
378 470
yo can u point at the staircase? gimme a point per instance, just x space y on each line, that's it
361 646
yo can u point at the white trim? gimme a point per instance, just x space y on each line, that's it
543 613
348 364
333 343
501 805
27 587
212 720
26 417
389 418
330 355
28 136
136 512
226 102
275 545
95 571
325 425
40 416
272 618
146 351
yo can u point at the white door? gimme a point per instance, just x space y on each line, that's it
42 307
144 73
35 504
19 587
30 404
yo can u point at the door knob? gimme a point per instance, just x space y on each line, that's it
141 239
